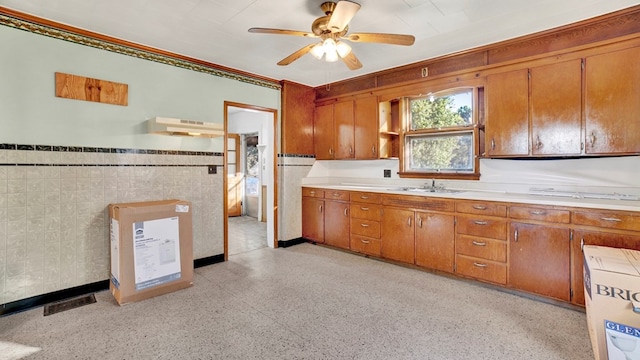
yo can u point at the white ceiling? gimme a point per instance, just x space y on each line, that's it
216 30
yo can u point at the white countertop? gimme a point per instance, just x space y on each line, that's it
492 195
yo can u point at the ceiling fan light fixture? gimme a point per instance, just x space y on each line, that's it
317 51
343 48
331 56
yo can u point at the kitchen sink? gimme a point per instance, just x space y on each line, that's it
436 190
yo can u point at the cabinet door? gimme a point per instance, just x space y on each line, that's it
336 224
507 123
556 103
313 219
612 85
323 133
398 237
366 128
435 241
344 133
583 237
539 258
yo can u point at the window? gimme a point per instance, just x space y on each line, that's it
440 135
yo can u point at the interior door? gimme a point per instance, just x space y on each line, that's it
234 205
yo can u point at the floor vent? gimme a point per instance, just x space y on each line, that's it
61 306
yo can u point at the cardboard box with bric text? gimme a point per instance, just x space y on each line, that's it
612 300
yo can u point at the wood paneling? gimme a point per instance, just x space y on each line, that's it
297 118
580 34
83 88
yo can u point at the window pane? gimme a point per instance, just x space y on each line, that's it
452 152
442 110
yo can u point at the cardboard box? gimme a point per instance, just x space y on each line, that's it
612 299
151 249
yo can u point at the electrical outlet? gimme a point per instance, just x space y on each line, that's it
387 173
213 169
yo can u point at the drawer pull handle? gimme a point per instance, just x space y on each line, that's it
480 265
515 235
364 208
479 243
582 244
420 222
479 207
480 222
312 192
336 194
409 221
364 225
538 212
364 241
363 197
320 208
345 212
611 219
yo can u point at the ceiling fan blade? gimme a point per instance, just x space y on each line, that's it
394 39
282 32
352 61
296 55
342 14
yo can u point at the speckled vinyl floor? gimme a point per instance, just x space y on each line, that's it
307 302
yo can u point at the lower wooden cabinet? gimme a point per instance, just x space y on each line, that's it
397 240
539 260
313 219
482 269
325 217
532 248
336 223
434 240
588 237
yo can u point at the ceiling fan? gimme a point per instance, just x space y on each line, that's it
332 29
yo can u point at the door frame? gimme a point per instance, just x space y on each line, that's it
274 189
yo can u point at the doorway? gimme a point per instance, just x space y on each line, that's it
250 177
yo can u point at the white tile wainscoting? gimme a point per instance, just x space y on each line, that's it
54 224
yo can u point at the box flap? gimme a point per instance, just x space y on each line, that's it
622 261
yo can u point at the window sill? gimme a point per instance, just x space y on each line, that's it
450 176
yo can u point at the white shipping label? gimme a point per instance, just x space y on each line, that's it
114 236
156 252
182 208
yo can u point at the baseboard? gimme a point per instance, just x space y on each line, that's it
210 260
41 300
292 242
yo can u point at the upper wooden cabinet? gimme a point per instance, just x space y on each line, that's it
347 129
324 133
333 133
535 112
556 103
507 120
612 103
366 128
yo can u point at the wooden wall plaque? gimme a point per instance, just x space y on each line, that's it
82 88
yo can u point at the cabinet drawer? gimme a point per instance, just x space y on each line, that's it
481 269
312 192
336 194
540 214
608 219
365 211
366 228
488 228
481 207
364 197
365 245
489 249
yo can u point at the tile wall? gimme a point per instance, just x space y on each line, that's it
292 169
54 225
